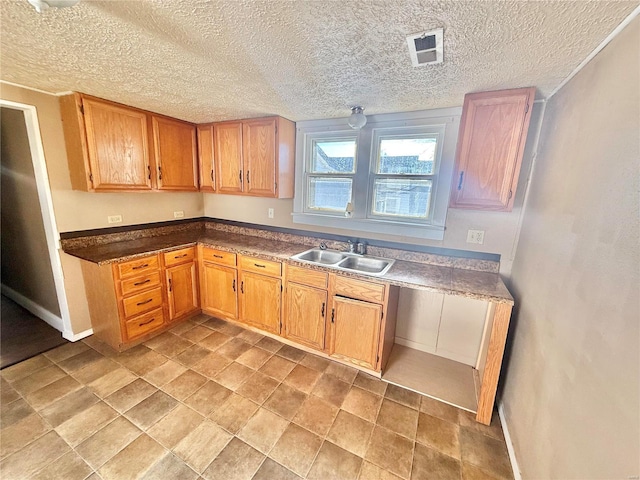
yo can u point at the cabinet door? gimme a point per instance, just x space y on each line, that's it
175 154
218 287
182 286
259 154
117 146
228 157
355 331
260 301
493 131
306 309
205 158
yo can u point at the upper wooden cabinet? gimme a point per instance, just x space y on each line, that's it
205 157
175 154
255 157
493 132
114 148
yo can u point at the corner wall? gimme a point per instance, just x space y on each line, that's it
571 389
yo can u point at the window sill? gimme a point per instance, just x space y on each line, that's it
429 232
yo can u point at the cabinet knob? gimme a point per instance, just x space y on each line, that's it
333 314
322 311
460 181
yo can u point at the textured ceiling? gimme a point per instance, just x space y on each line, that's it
215 60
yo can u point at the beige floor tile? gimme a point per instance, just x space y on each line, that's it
38 379
66 351
351 433
166 337
362 403
233 348
258 387
285 401
316 415
291 353
369 471
439 409
68 467
142 363
214 323
370 383
130 395
214 341
45 396
250 336
175 426
302 378
134 461
196 334
270 344
471 472
69 406
170 467
270 470
183 327
254 358
151 410
34 456
344 373
26 368
234 413
108 441
7 392
233 376
439 435
390 451
403 396
485 452
334 463
296 449
184 385
14 412
164 373
174 347
315 362
431 463
211 365
398 418
80 427
99 346
277 367
230 329
238 461
331 389
95 370
111 382
468 420
21 433
263 430
208 398
200 447
82 360
192 355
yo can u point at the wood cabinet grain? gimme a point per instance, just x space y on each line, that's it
205 157
228 157
306 311
260 301
175 154
219 285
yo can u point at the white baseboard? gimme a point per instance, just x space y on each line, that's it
74 337
39 311
507 439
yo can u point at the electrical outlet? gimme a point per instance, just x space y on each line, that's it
179 214
270 212
114 218
475 236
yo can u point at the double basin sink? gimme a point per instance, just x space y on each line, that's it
351 262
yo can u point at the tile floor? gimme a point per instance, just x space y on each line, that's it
211 400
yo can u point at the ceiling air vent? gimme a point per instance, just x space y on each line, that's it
425 48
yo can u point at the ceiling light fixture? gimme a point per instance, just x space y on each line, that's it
357 120
42 5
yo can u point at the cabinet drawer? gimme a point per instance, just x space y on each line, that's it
183 255
144 323
218 256
359 289
136 284
257 265
139 266
142 302
307 276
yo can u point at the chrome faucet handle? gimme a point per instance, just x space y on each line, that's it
323 246
361 248
352 246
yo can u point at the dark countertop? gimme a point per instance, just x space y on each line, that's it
448 280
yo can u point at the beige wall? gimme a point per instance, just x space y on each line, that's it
26 267
571 392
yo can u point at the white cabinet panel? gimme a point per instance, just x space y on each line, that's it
461 328
418 319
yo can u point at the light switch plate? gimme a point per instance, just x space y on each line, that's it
475 236
270 212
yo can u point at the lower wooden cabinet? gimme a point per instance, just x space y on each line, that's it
182 290
260 298
219 285
306 311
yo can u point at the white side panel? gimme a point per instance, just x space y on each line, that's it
461 328
418 319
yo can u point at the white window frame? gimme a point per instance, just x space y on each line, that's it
445 122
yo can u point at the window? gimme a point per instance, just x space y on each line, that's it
391 177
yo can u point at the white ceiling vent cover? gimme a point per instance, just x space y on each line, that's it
425 48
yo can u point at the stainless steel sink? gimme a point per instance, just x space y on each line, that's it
349 262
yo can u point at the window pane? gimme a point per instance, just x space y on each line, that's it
402 198
413 156
333 156
327 193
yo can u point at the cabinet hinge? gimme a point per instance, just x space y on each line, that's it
510 194
526 108
82 109
91 178
276 186
377 358
276 129
280 287
381 315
